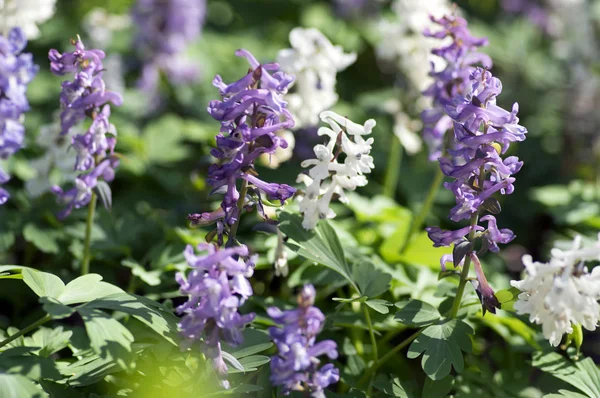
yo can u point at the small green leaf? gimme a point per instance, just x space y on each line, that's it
254 361
395 387
371 281
108 337
51 340
380 306
441 346
87 288
44 240
320 245
88 370
151 278
438 388
55 308
507 298
42 283
416 313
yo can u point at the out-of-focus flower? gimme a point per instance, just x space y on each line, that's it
251 111
165 29
25 14
561 293
56 163
405 128
327 176
18 70
216 287
86 96
296 366
315 62
100 26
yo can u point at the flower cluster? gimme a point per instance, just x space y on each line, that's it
460 56
25 14
296 367
483 132
86 96
216 288
315 63
165 29
328 176
18 70
251 112
561 293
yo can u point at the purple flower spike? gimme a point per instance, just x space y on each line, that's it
85 97
483 131
216 288
296 367
18 70
251 112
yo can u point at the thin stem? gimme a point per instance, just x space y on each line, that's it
389 355
87 256
390 184
27 329
426 208
240 206
464 275
373 340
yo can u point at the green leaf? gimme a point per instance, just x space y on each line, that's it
51 340
19 360
582 374
255 341
55 309
416 313
42 283
507 298
88 370
56 390
441 346
254 361
320 245
17 386
87 288
394 387
420 251
566 394
438 388
371 281
380 306
151 278
108 337
153 314
42 239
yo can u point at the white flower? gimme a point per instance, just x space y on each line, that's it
405 128
25 14
402 39
329 177
561 293
55 165
100 26
315 62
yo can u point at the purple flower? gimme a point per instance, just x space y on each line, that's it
216 287
17 71
165 29
483 132
251 111
86 97
296 367
460 55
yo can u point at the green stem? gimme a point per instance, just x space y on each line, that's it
426 208
87 256
29 328
373 340
390 184
240 206
464 275
389 355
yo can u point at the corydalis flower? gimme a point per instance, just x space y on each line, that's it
327 175
296 367
251 112
86 96
18 70
216 287
165 29
26 15
315 62
483 132
561 293
460 57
